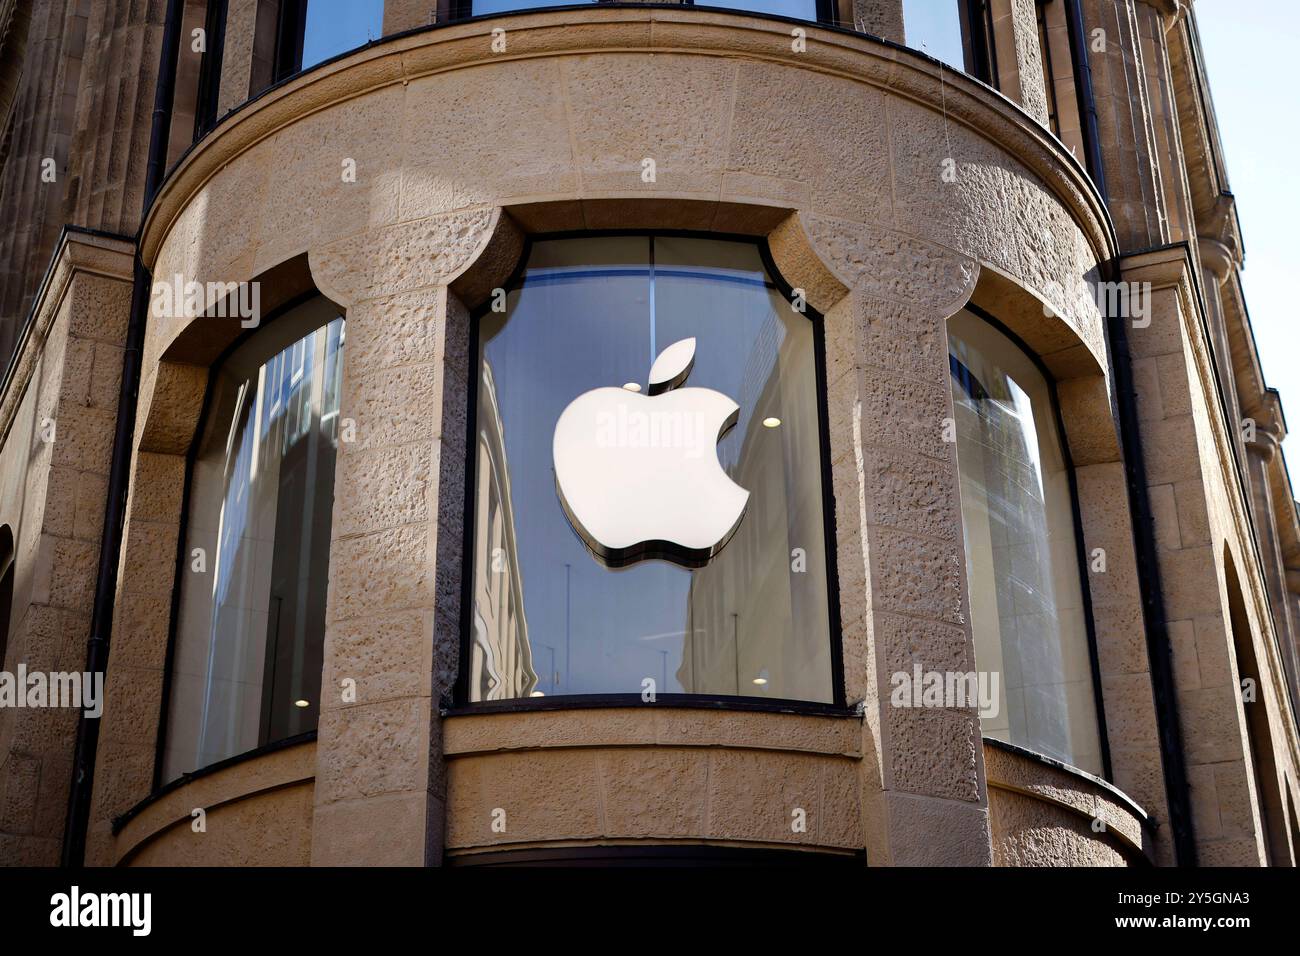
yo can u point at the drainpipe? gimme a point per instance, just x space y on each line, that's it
1159 651
1083 91
110 543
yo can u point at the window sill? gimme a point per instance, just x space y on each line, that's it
687 701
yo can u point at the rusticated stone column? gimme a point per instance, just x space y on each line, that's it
247 59
1137 122
1191 511
400 15
1259 462
882 18
58 418
42 125
108 157
899 539
393 612
1020 58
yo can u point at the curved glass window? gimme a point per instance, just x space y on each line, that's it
1022 551
708 592
246 668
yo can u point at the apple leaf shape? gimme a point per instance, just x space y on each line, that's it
672 366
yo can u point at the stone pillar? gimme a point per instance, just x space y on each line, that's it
110 148
903 591
881 18
1217 265
43 114
1020 58
247 60
400 15
61 436
1187 514
1260 454
393 613
1114 32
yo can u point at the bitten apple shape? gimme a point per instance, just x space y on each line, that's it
638 475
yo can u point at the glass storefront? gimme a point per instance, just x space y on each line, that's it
550 615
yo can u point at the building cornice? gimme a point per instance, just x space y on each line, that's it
618 28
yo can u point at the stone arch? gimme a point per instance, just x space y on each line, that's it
1270 804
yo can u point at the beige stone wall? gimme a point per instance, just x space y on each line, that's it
890 195
517 781
1045 815
56 427
857 209
254 813
1200 514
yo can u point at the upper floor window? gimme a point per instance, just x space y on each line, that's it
247 655
1022 548
648 508
958 32
313 31
796 9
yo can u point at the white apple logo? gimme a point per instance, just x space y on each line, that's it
638 475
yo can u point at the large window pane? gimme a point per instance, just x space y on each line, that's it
935 27
548 617
248 650
1022 554
336 26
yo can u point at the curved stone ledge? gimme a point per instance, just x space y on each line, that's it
1046 813
837 55
258 813
572 778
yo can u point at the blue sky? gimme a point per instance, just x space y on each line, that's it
1251 56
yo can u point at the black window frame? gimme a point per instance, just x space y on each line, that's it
290 31
182 558
209 93
970 384
977 37
460 702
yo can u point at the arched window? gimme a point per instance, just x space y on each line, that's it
1259 736
619 545
1022 548
247 655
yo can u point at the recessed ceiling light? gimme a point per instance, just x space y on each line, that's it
537 693
760 681
632 386
771 422
302 703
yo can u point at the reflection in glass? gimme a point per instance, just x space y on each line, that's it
1022 554
547 618
248 652
336 26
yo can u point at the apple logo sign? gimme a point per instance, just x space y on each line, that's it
638 475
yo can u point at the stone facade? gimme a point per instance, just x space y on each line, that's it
893 192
